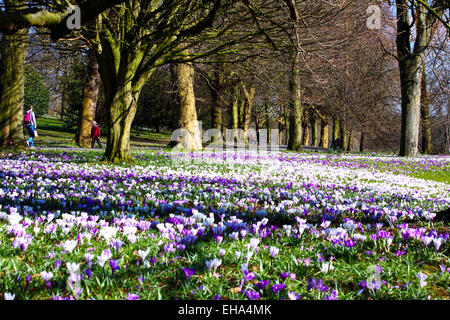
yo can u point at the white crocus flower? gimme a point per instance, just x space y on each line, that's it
326 266
143 254
9 296
69 245
73 268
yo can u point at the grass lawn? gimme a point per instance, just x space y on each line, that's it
54 133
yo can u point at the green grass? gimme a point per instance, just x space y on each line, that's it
54 133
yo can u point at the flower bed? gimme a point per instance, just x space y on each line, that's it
222 225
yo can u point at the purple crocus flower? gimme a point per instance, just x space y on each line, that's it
332 296
217 297
284 275
248 275
114 264
317 284
252 295
188 273
278 287
116 244
293 296
262 284
88 273
132 296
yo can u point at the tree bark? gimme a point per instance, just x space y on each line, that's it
324 133
268 121
343 133
121 115
235 110
89 103
249 98
335 128
349 142
13 51
361 142
427 145
306 128
188 113
295 122
411 68
315 130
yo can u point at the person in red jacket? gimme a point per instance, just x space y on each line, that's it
95 135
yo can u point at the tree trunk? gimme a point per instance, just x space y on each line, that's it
411 68
235 109
335 128
121 115
361 142
343 133
13 51
315 130
216 111
349 142
295 122
249 98
306 128
89 103
324 133
268 121
188 113
427 145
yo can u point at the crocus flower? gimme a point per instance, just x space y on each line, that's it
132 296
213 264
9 296
278 287
73 268
274 252
46 276
332 296
105 256
77 292
317 284
262 284
293 296
248 276
422 278
69 245
143 254
89 256
188 273
114 264
252 295
326 266
117 244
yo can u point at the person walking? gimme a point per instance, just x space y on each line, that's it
31 125
95 135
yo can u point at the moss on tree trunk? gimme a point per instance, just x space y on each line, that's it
324 133
13 50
